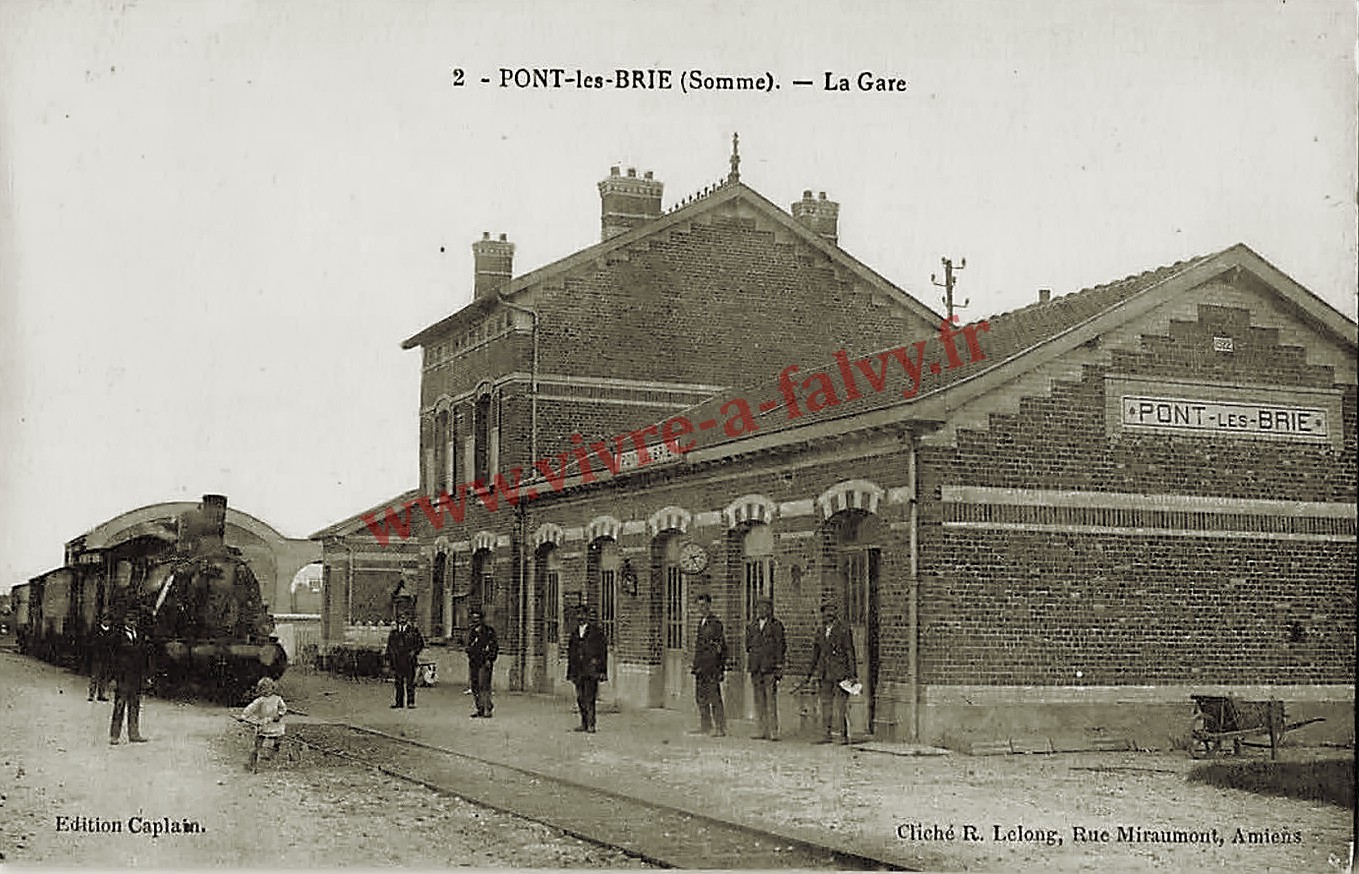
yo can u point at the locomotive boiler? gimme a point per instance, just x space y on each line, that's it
207 619
195 596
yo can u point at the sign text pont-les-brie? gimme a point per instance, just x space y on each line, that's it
1201 416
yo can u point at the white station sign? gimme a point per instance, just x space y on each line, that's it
1216 417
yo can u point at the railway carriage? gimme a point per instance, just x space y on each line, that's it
199 600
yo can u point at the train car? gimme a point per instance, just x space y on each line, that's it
206 613
51 634
197 598
207 610
18 603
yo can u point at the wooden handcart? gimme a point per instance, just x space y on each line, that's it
1219 719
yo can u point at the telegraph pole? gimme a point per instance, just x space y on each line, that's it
947 285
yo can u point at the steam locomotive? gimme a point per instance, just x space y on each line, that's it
195 595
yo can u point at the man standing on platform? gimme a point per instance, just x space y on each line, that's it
765 650
129 673
481 652
587 664
833 662
103 647
404 643
710 666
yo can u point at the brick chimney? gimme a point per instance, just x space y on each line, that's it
819 215
627 201
493 262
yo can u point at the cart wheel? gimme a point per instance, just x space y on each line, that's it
1202 745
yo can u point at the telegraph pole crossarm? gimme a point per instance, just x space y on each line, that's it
949 281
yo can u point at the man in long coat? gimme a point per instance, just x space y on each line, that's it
765 650
833 662
130 660
404 643
482 649
103 646
710 666
587 665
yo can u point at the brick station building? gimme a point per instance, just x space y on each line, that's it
1061 521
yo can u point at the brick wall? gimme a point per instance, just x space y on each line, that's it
722 304
801 573
726 304
1169 605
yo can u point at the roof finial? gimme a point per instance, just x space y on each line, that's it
735 174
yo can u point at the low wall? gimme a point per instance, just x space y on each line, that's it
1150 717
299 635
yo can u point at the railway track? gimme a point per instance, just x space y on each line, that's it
654 833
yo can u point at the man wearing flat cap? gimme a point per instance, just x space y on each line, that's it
832 662
765 650
710 666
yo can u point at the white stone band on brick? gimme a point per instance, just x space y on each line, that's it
1131 501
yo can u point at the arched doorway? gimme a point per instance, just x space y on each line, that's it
439 597
677 683
548 565
852 565
482 592
603 565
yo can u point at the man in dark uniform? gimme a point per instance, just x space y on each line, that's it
481 652
587 664
710 666
833 662
765 650
403 650
103 645
129 673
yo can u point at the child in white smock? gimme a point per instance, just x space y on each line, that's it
266 713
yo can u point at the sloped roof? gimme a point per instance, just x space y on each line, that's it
1010 334
1021 339
725 193
1015 342
354 523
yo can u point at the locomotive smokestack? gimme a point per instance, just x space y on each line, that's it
202 530
214 512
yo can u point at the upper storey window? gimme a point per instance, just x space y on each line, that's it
441 451
481 429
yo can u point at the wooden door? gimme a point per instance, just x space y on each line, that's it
678 683
859 567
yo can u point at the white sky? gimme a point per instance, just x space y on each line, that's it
221 219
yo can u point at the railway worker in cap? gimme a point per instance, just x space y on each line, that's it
587 663
103 644
710 666
404 643
482 649
130 657
765 650
832 662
